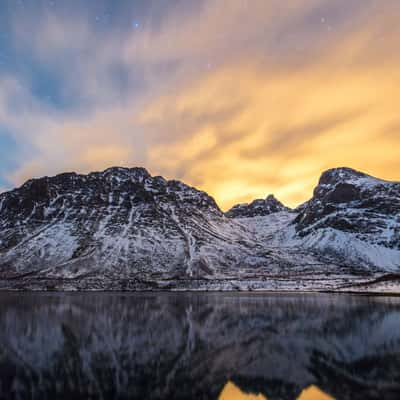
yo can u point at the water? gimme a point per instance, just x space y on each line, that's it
198 346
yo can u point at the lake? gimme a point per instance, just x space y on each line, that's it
198 346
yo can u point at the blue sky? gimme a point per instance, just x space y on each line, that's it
241 99
8 156
46 84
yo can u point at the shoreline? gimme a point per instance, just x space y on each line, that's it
205 292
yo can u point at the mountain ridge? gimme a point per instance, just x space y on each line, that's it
124 224
257 207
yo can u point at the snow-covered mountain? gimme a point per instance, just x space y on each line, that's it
355 215
259 207
352 221
124 229
121 224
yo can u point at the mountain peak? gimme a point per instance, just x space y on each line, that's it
346 175
348 200
272 199
341 174
341 185
127 171
259 207
137 174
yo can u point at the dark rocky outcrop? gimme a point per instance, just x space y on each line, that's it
351 201
260 207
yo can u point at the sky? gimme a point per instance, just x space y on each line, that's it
240 98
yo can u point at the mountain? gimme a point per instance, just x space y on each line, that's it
120 224
188 346
350 201
355 215
125 229
352 220
256 208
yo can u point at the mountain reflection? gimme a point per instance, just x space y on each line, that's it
188 346
232 392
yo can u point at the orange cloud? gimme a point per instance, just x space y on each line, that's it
250 131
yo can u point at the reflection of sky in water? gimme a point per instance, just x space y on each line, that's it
232 392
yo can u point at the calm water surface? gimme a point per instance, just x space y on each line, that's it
198 346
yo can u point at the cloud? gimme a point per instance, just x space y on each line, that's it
255 98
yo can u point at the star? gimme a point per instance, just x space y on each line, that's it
136 25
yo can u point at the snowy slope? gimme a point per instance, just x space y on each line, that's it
121 223
352 219
124 229
354 215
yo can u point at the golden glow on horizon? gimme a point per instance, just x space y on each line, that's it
232 392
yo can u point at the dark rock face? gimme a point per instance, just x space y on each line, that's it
257 208
350 201
344 193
